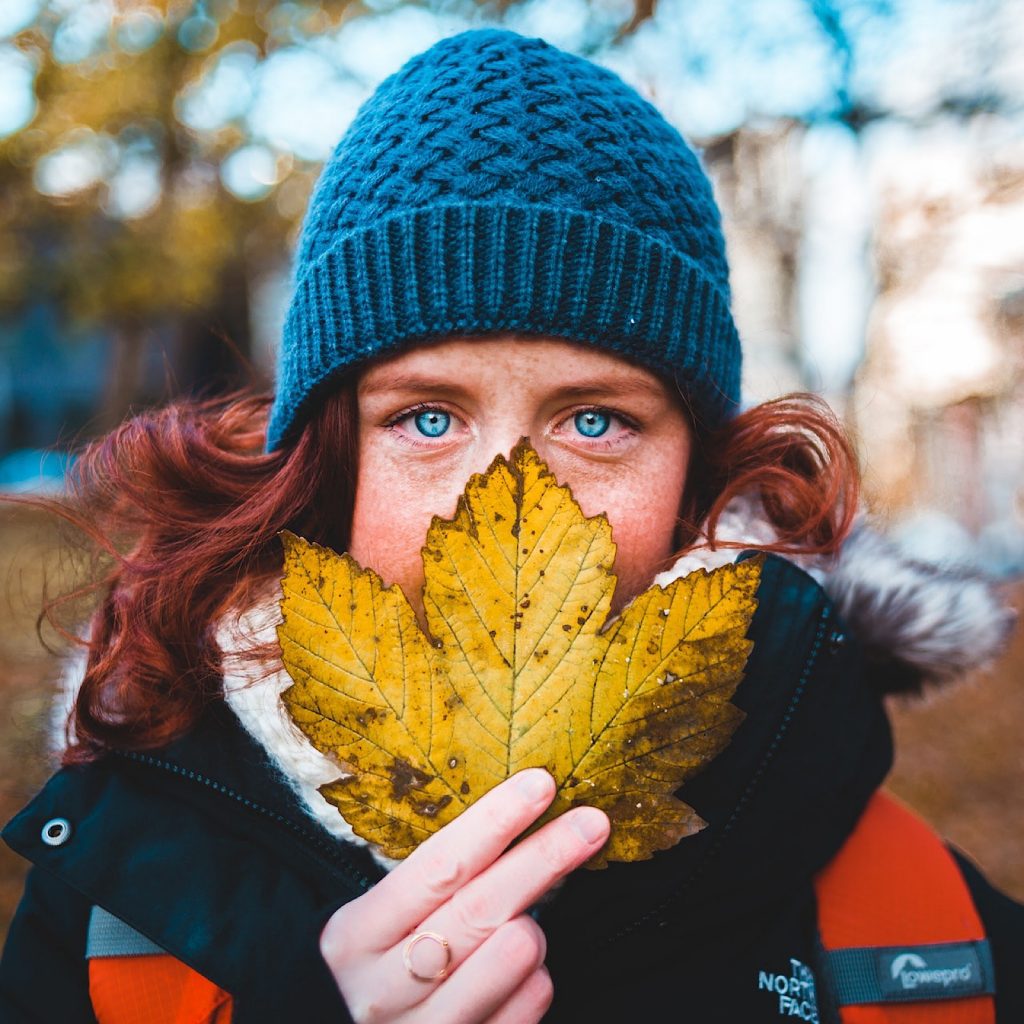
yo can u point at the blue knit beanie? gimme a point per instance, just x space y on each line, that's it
496 183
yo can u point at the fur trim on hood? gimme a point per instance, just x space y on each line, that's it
921 623
926 623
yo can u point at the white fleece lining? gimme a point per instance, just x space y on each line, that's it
254 695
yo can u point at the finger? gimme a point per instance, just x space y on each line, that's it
517 880
499 894
529 1002
448 859
487 980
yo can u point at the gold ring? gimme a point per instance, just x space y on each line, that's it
407 955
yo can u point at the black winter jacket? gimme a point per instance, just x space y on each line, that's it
203 848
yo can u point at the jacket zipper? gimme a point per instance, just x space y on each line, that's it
335 854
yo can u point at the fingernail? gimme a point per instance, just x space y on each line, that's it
534 783
590 824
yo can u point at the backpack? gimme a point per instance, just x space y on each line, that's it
901 939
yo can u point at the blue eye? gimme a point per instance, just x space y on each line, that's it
592 423
432 422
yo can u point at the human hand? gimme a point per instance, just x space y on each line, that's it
484 959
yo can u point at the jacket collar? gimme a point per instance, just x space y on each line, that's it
917 622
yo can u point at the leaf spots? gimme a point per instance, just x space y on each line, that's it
405 778
429 808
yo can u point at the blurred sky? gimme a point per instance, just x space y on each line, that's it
711 65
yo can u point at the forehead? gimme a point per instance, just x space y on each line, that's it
544 361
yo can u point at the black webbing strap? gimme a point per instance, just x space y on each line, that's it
904 974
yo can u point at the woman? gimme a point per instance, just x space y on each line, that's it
507 242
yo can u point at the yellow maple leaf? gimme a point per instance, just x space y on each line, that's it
517 670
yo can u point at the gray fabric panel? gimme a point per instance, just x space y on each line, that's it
110 936
904 974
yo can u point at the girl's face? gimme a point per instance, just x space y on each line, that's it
432 416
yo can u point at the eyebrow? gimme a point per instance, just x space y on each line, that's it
627 384
619 386
407 382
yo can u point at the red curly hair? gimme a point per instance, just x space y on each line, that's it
186 508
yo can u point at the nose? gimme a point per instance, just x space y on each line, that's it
506 425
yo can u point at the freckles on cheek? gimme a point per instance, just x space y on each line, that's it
393 509
643 522
643 538
387 535
643 517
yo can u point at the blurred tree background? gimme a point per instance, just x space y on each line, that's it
155 161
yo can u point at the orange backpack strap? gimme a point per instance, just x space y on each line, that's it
902 940
134 981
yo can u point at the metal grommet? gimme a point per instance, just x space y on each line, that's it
56 832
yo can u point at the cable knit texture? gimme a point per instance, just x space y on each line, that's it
497 183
